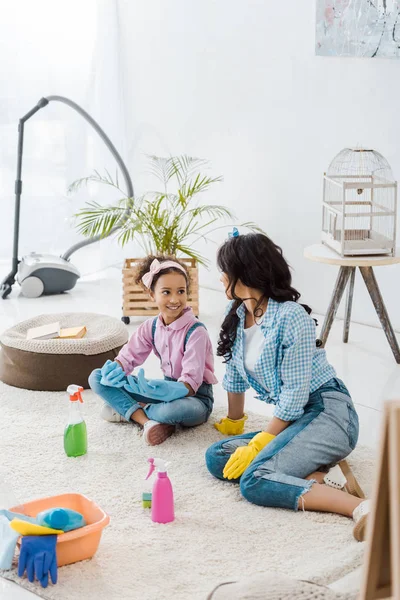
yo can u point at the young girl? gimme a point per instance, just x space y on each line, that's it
185 396
268 341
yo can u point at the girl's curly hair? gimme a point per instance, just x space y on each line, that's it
144 267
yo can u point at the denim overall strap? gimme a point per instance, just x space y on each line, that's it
153 333
190 331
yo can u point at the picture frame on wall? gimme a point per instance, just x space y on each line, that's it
358 28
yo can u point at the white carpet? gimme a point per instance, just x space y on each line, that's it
217 536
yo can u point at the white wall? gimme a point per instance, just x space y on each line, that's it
238 83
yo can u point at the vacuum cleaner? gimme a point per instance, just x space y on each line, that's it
40 274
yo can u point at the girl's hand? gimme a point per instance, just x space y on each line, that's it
229 426
112 374
132 386
161 389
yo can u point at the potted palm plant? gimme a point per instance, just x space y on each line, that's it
168 221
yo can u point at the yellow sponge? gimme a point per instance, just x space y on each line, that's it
25 528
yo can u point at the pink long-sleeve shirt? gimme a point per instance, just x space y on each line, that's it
193 366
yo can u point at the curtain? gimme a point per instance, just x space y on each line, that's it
68 48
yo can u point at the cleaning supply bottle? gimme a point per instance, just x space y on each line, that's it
162 501
147 487
75 436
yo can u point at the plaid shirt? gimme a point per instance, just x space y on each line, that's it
290 365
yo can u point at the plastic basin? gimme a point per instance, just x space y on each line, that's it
78 544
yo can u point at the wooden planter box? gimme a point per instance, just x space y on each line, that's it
136 302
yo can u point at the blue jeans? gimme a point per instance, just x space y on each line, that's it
189 411
325 434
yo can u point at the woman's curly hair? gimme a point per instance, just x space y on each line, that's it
258 263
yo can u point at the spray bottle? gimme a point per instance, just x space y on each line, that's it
147 488
162 501
75 436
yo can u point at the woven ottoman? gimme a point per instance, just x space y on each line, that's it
52 365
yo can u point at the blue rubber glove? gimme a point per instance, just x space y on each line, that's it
160 389
61 518
38 556
12 515
8 542
112 374
132 386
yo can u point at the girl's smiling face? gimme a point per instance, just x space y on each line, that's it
170 295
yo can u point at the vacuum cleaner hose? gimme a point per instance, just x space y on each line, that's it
128 182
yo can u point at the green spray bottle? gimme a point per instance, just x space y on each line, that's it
75 436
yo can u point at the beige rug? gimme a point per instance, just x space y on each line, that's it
217 536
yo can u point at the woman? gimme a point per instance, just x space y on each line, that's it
268 342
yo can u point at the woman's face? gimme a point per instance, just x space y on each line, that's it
240 290
225 282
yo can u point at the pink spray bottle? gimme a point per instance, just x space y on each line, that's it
162 501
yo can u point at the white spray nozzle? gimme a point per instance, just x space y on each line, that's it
74 392
160 464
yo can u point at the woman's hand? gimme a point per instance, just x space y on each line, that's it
229 426
244 455
233 423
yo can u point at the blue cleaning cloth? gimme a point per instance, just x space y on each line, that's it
12 515
161 389
8 541
132 386
61 518
38 556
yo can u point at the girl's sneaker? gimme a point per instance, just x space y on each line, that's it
111 415
341 477
155 433
360 518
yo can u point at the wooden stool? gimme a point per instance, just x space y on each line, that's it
347 272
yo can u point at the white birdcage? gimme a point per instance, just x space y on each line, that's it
359 204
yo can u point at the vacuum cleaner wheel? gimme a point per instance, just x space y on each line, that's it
32 287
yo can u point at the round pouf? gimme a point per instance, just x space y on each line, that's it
52 365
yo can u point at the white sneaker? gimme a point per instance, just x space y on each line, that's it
109 414
341 477
360 518
335 478
155 433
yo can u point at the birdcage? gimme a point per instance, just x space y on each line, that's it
359 204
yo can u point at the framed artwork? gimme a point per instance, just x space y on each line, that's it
363 28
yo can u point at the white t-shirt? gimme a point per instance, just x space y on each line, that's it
253 347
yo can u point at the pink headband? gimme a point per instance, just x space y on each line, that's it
156 267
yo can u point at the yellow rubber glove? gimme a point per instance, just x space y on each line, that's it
25 528
244 455
229 426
